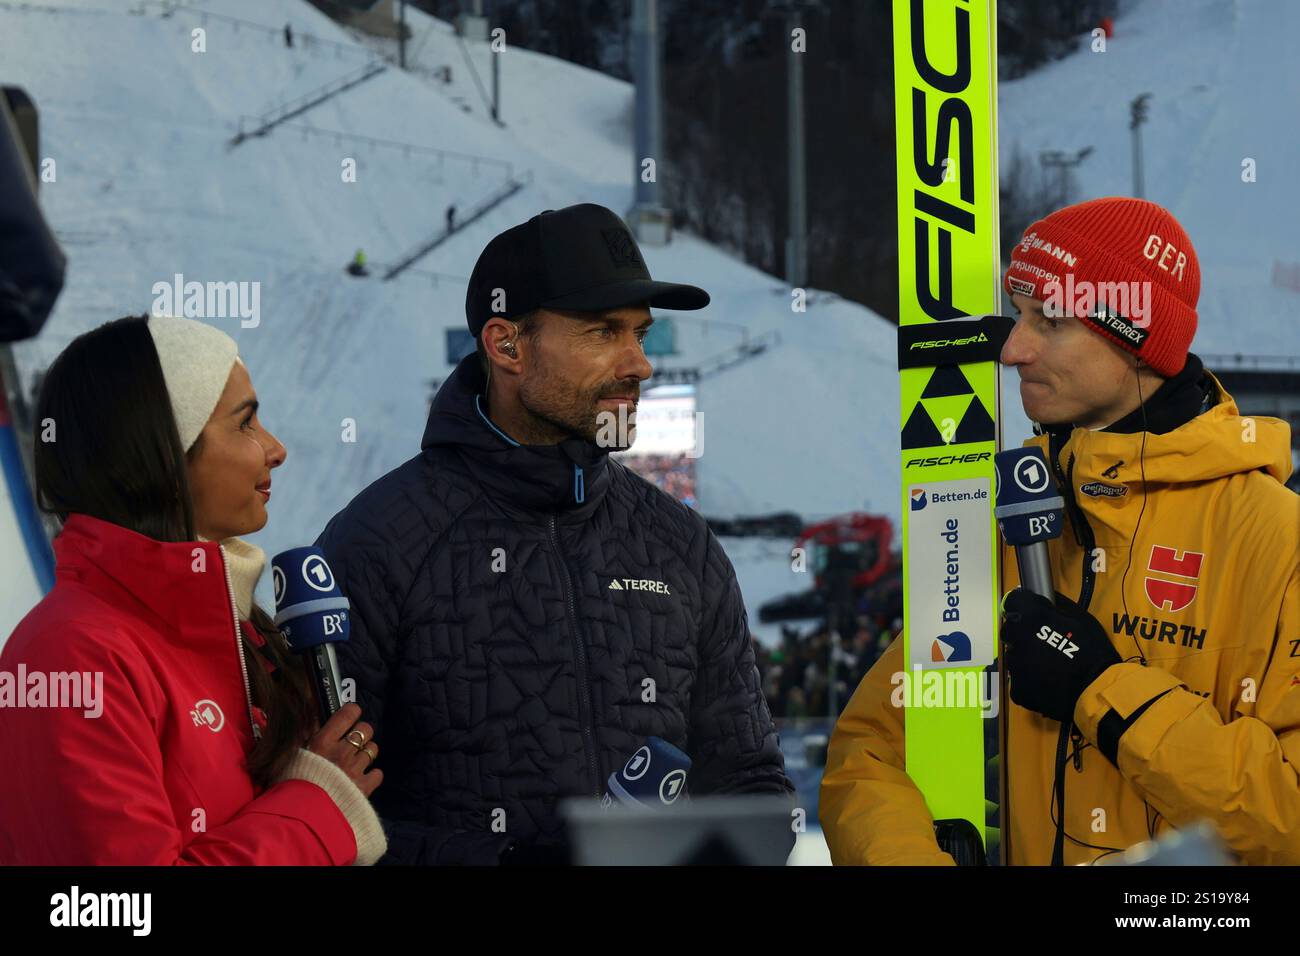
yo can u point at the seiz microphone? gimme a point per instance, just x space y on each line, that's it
653 778
312 614
1029 511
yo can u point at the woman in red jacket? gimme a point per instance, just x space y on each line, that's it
158 716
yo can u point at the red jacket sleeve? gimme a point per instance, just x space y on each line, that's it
91 790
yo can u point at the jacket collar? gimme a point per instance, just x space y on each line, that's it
1175 403
246 562
182 583
568 479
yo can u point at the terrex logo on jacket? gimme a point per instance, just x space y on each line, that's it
639 584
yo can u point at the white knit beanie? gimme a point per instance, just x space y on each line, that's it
196 362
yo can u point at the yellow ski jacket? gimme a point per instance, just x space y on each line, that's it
1204 584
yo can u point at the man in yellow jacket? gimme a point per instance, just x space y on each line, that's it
1179 581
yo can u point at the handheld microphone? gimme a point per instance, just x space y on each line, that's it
312 614
653 778
1030 512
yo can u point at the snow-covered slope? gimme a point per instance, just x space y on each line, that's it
146 188
1223 78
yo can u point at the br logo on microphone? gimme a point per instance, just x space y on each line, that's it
1041 525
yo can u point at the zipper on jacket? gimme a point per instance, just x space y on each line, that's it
239 644
584 687
579 485
1076 745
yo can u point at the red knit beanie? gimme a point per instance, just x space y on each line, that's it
1085 248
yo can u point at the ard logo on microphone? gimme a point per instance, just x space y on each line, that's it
672 786
636 767
317 573
1030 475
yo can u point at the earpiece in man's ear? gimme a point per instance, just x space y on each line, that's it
509 347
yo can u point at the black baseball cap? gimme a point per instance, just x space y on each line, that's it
581 258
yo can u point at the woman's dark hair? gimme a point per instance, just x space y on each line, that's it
113 452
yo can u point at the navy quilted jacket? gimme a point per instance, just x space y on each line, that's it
523 618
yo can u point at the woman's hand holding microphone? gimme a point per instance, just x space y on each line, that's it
347 742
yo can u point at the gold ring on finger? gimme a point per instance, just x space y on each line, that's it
357 743
366 750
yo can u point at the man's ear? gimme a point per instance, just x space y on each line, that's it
500 341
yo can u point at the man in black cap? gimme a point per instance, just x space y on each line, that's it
526 612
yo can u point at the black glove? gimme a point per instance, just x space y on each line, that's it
1052 653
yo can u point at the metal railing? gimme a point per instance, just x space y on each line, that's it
482 208
301 104
474 161
748 348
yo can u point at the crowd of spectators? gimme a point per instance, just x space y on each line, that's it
796 675
674 474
